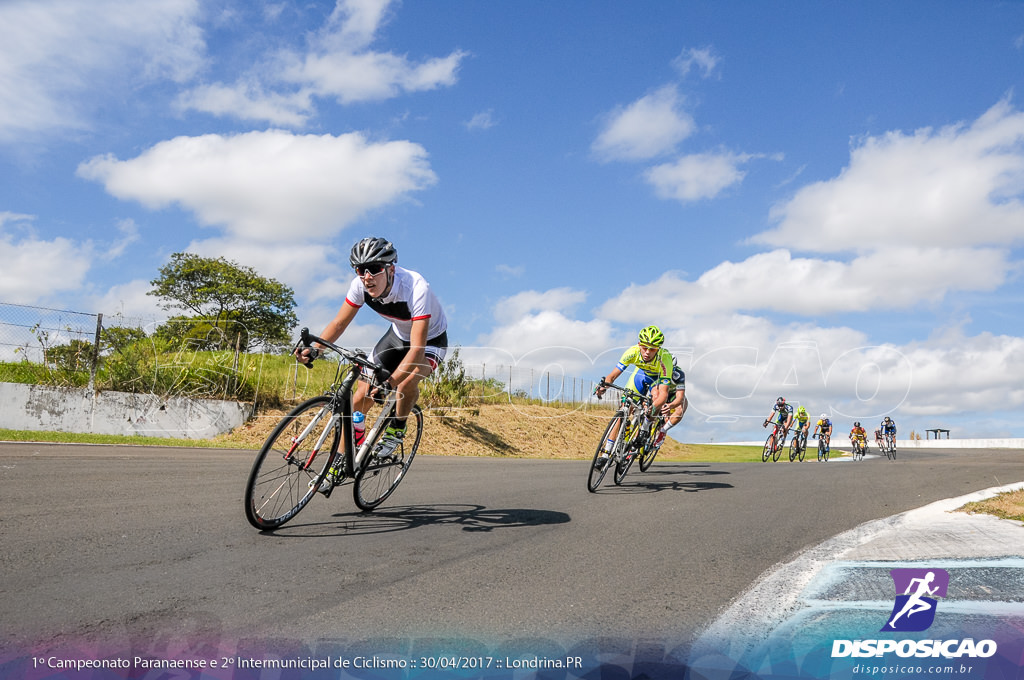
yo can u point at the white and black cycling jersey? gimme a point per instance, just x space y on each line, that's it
410 299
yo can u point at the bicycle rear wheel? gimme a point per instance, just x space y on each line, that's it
598 471
377 478
803 447
292 463
648 455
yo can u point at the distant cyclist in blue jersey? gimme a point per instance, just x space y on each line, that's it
652 373
888 427
782 414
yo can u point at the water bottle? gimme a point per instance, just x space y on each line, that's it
359 427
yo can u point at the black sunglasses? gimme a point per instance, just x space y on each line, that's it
373 268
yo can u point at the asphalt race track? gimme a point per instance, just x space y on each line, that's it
148 549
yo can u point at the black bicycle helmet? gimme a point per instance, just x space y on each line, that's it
371 250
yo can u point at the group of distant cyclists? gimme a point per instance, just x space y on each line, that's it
785 417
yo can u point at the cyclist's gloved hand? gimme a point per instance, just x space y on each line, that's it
307 355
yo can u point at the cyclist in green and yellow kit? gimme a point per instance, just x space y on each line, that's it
652 373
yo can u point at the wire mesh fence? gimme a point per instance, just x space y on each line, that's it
26 333
69 347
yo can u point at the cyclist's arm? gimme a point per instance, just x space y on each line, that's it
610 378
333 330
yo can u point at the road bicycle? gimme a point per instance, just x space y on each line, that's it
798 446
859 449
774 444
301 456
634 430
822 449
885 444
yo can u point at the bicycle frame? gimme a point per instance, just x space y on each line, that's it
631 435
341 404
298 460
635 403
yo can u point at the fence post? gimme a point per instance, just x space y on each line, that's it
95 354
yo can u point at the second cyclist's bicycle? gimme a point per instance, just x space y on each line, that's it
886 443
632 429
304 455
822 448
798 446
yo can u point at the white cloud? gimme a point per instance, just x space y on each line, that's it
651 126
127 304
482 121
338 63
314 270
510 270
703 59
268 186
959 186
247 100
697 176
56 56
897 278
35 269
527 302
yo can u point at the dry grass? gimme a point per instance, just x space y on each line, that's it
513 431
1008 505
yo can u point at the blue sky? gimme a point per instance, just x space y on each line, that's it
816 199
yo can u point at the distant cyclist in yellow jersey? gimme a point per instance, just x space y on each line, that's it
652 371
823 428
802 420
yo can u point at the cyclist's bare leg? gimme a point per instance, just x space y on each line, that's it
409 389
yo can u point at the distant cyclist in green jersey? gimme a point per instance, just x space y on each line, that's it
652 373
802 420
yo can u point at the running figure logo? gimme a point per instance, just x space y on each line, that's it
916 589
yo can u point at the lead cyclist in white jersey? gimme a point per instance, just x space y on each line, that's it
417 341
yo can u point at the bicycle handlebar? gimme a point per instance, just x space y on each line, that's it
306 339
644 399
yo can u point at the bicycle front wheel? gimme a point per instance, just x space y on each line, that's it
292 463
769 447
378 477
599 470
803 448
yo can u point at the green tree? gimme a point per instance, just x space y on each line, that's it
228 302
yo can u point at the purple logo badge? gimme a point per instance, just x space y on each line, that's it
916 590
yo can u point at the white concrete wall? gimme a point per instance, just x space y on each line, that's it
844 443
960 444
43 408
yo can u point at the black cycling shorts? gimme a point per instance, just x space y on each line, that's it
391 349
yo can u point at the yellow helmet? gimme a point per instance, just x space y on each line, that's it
652 336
